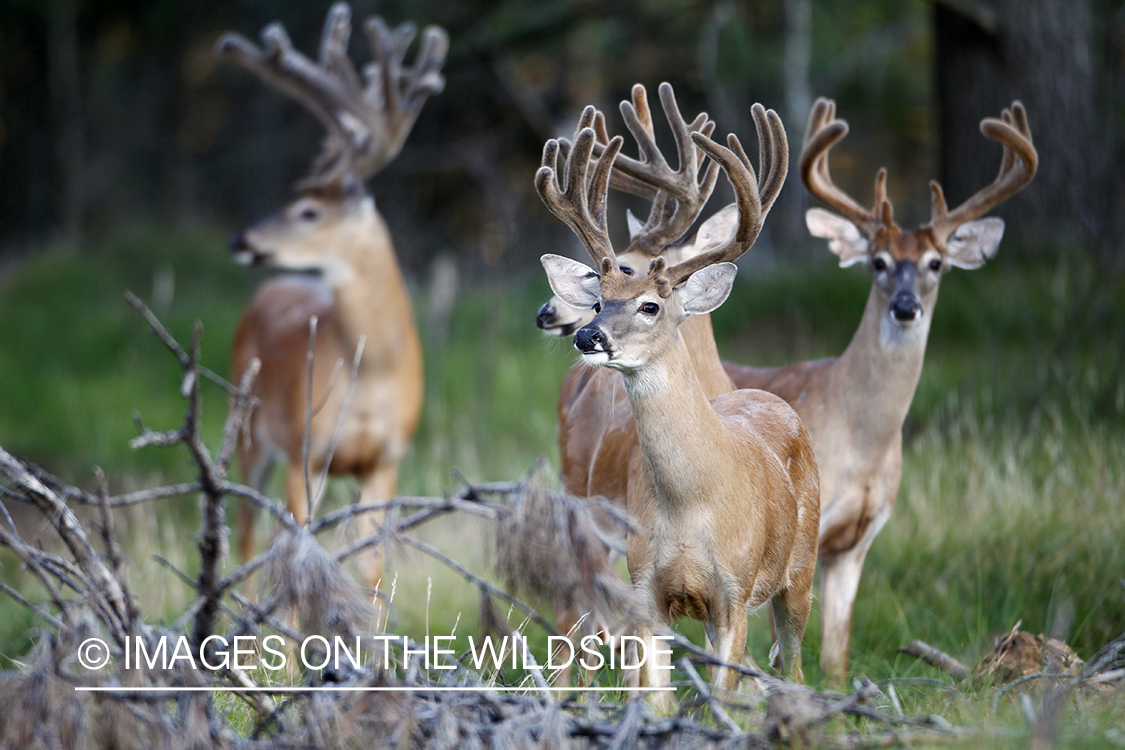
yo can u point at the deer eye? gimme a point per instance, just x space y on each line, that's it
650 308
597 307
879 264
309 214
935 265
626 270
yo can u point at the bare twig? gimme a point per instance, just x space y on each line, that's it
306 438
169 341
338 430
104 587
936 658
532 666
241 404
56 622
716 708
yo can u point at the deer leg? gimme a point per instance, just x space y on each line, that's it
839 581
295 495
256 468
730 646
566 622
378 486
790 608
657 671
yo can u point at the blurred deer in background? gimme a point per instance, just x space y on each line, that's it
854 405
724 490
349 283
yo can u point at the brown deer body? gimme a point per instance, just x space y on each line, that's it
853 405
724 490
356 411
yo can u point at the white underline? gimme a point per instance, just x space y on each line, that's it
355 689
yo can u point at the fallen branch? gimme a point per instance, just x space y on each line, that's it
935 658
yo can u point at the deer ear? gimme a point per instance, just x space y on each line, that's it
707 288
844 238
575 283
974 243
635 224
715 231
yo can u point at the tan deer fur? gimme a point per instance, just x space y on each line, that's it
359 296
724 490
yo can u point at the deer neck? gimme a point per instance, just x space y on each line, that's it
371 298
699 337
678 430
877 374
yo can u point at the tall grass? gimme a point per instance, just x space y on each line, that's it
1014 462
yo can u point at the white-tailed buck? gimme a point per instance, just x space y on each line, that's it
349 282
724 490
854 405
596 429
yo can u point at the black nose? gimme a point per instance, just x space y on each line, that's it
588 339
905 307
546 317
238 242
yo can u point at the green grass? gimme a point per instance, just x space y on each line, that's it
1014 461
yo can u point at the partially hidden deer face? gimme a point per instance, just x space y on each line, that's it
559 319
907 267
636 316
318 232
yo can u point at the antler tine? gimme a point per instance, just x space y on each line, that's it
618 179
566 193
667 221
1017 166
395 94
283 68
823 131
773 154
334 47
652 168
740 173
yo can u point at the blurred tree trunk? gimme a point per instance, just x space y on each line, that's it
990 52
66 114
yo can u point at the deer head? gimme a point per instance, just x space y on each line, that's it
677 195
908 266
635 312
367 120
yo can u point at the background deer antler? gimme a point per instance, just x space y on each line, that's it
755 196
1017 167
566 193
367 119
823 132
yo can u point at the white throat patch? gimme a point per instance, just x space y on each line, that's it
893 333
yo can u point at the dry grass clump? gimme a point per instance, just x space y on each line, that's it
560 548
